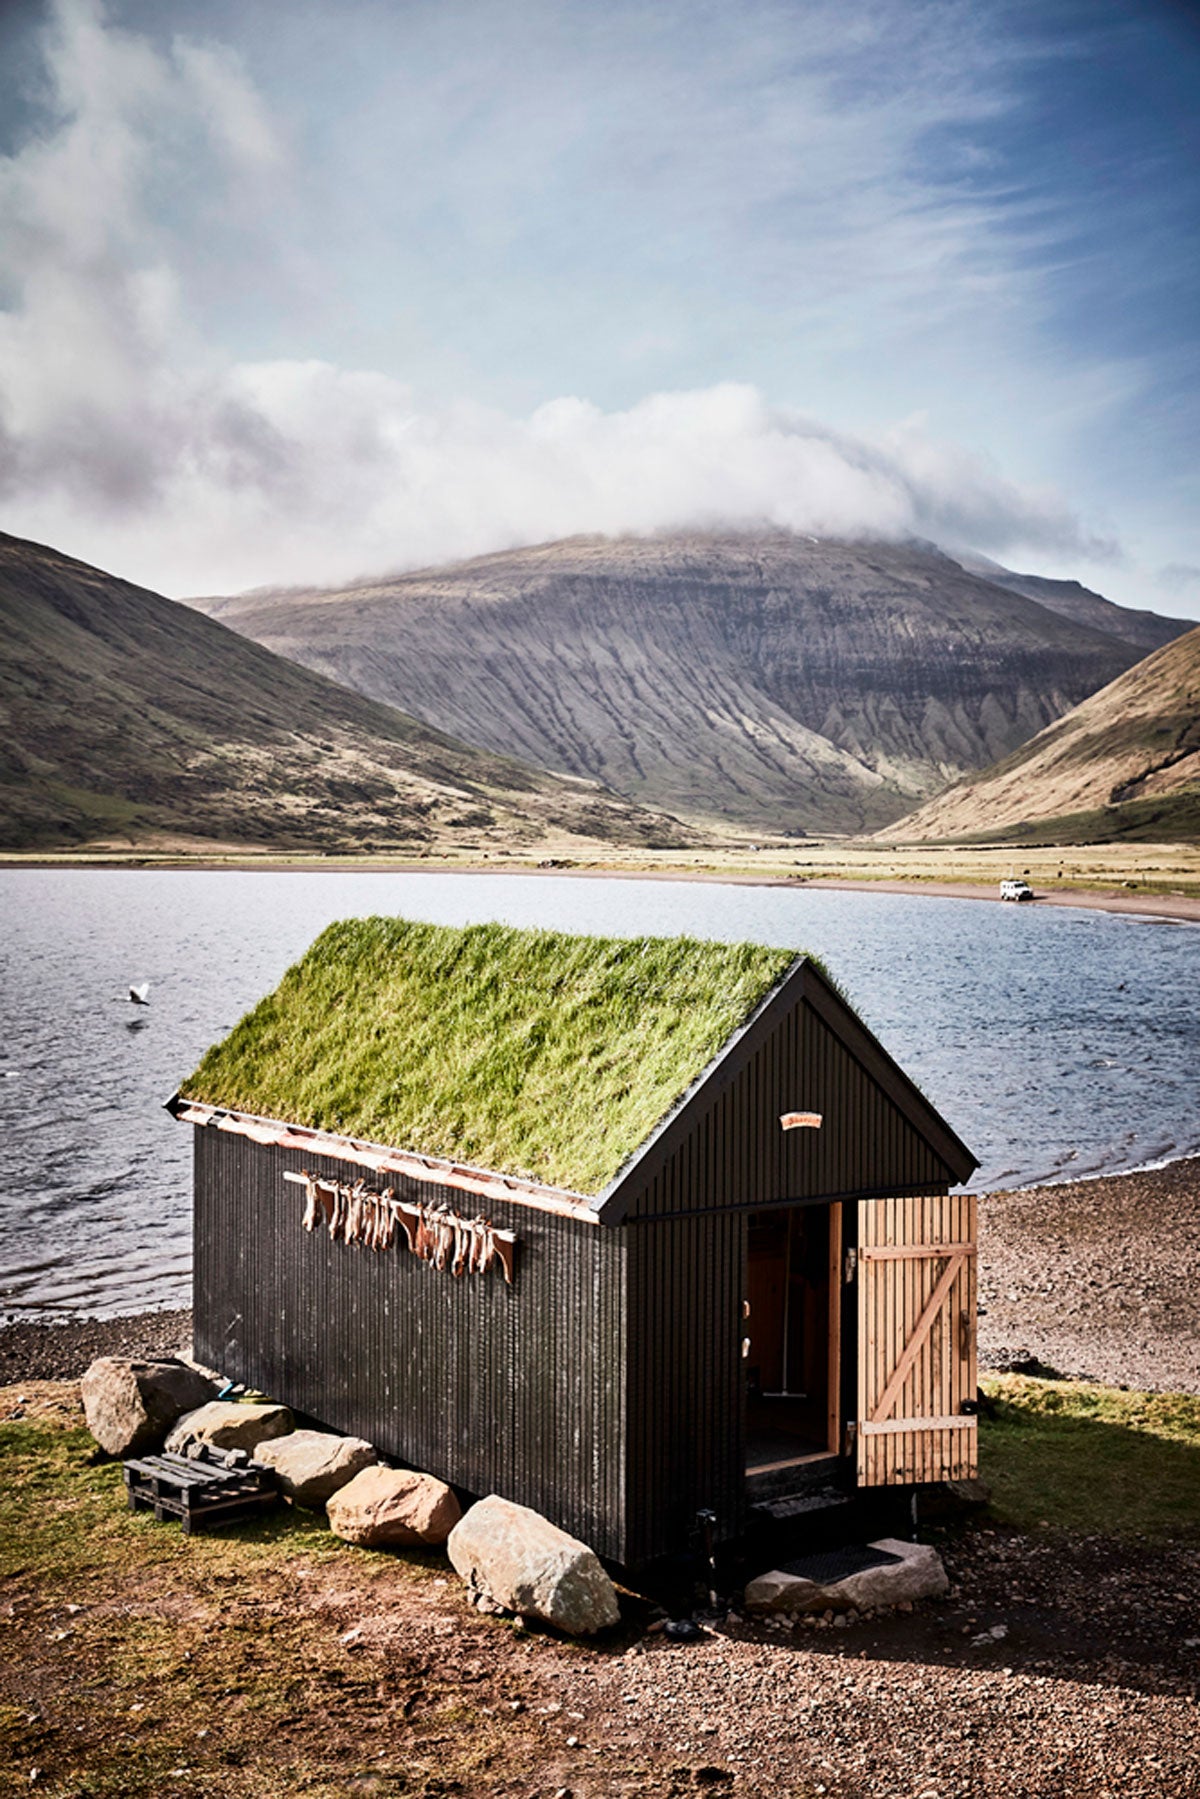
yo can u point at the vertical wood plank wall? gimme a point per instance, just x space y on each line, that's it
686 1431
892 1294
518 1390
605 1388
739 1156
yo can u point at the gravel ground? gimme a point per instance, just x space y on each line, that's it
1088 1690
32 1351
1096 1278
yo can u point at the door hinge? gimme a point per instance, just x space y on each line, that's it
851 1266
851 1439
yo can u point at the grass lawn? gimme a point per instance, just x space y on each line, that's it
139 1662
1094 1460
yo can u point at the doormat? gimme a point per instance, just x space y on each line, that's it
831 1565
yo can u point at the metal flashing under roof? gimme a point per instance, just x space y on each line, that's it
381 1159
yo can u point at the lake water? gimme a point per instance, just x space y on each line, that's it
1057 1043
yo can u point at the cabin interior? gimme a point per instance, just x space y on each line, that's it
792 1343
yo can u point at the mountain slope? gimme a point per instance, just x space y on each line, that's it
126 716
762 678
1125 762
1145 631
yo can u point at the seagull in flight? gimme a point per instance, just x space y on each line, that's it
140 996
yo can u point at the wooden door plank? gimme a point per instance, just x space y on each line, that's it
920 1331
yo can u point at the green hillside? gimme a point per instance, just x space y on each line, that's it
126 718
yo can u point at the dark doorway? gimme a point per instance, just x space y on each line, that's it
791 1328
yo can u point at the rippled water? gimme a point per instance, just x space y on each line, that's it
1057 1043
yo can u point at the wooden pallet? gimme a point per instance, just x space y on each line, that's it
198 1493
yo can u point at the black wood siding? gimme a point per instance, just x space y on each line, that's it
605 1388
686 1450
737 1156
516 1390
687 1258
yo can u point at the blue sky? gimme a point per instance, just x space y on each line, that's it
300 292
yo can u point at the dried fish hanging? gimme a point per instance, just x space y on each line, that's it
464 1245
434 1234
351 1214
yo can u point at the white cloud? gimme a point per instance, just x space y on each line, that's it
127 438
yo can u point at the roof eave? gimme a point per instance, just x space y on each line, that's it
382 1158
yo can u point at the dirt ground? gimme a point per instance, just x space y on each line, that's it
1060 1666
1057 1667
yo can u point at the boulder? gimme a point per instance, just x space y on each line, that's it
519 1560
311 1465
224 1424
916 1573
130 1406
391 1508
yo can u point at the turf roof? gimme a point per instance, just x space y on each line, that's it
529 1052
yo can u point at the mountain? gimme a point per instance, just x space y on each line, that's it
1124 764
128 717
1146 631
764 679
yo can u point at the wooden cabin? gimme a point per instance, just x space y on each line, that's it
669 1229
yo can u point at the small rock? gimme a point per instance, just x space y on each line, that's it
393 1508
311 1465
683 1630
131 1405
483 1602
223 1424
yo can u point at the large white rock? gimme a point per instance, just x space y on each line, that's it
515 1558
394 1508
227 1425
918 1574
130 1406
311 1465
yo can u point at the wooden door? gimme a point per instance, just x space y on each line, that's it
917 1368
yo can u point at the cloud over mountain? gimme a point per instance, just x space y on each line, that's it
193 468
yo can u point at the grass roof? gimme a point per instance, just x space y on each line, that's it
529 1052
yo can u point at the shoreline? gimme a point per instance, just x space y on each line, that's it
1170 908
1088 1278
